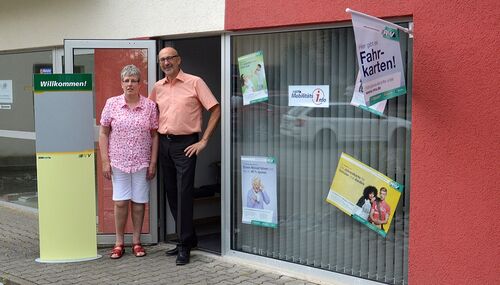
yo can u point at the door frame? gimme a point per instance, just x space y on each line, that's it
70 46
167 223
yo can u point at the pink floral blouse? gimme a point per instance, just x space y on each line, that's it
130 138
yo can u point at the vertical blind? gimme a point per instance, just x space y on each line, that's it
310 231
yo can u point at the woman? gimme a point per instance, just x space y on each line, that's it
129 147
365 202
247 85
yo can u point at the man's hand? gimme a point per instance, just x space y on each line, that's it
195 148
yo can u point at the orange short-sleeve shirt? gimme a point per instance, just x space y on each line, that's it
180 102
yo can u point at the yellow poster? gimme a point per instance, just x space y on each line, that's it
66 200
365 194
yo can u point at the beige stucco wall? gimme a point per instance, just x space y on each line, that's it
35 23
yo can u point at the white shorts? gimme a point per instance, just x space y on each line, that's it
130 186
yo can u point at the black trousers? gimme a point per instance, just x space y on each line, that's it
178 177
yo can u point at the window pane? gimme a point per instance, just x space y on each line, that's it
17 126
307 143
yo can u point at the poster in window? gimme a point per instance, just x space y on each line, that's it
258 186
379 58
253 78
358 99
365 194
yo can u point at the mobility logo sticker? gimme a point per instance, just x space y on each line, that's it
309 95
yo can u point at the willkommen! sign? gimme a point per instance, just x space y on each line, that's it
379 58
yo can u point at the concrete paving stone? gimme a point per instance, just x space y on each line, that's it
189 268
211 264
43 281
154 280
232 275
196 279
60 283
247 282
240 279
227 265
255 275
221 268
262 279
227 282
218 279
200 283
198 273
296 282
162 280
273 275
19 248
186 282
279 281
242 270
287 278
203 258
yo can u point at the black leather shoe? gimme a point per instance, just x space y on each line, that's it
183 256
172 251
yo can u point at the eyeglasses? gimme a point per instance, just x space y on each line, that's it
130 81
168 58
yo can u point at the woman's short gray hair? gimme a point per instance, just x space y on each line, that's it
130 70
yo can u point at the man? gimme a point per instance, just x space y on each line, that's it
259 75
180 98
380 211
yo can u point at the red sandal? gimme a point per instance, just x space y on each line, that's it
117 251
138 250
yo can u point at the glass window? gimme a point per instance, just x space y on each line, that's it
306 144
17 126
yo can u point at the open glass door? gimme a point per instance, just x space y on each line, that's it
105 59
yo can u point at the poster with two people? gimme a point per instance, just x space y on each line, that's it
253 78
365 194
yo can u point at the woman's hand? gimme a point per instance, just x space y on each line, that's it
106 169
151 171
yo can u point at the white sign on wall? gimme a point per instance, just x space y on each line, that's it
316 96
6 92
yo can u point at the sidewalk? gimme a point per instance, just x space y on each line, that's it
19 248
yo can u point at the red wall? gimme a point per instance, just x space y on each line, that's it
108 64
454 226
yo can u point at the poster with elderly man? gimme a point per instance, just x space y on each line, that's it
365 194
258 191
379 58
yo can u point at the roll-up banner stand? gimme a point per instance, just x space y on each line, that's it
64 128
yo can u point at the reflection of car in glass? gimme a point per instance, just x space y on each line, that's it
260 121
341 122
